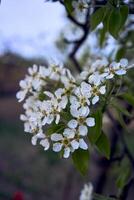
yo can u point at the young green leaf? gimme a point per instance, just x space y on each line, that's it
115 23
97 17
103 145
123 174
124 11
55 128
81 160
120 53
95 132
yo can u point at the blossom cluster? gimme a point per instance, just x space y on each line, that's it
58 106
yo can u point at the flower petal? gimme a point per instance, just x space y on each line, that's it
72 123
83 130
57 147
83 144
66 152
90 121
56 137
95 100
75 144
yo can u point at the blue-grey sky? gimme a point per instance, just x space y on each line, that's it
30 26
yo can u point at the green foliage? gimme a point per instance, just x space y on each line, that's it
81 160
103 145
115 23
95 132
56 128
120 53
120 108
113 19
97 17
68 6
124 172
101 197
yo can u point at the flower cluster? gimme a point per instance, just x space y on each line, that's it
58 106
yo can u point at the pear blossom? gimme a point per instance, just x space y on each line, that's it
63 142
81 98
80 5
98 88
81 120
117 68
87 192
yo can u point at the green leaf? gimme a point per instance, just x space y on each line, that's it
129 98
68 5
56 128
97 17
81 160
120 53
95 132
101 197
103 145
119 108
106 18
102 36
123 174
124 11
115 23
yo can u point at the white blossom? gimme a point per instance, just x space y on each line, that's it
87 192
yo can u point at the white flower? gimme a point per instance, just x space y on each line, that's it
80 5
25 85
55 71
81 98
63 142
97 88
81 120
117 68
87 191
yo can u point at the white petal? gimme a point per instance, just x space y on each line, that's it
83 144
72 123
102 89
69 133
21 95
110 76
75 144
57 119
83 130
66 152
23 117
74 112
59 92
49 94
95 100
57 147
90 121
86 89
56 137
45 143
34 140
84 111
120 72
124 62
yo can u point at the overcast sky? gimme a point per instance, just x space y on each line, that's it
30 26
